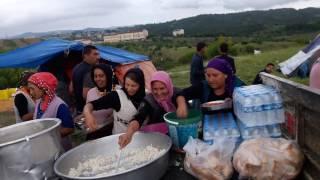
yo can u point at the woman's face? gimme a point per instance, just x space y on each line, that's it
216 79
159 90
131 86
35 92
100 78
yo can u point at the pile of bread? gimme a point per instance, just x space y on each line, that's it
207 162
261 158
267 158
209 168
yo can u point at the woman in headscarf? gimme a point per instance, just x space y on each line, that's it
42 87
150 113
23 103
101 74
219 85
124 102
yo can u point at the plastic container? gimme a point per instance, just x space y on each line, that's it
218 125
258 105
181 129
259 131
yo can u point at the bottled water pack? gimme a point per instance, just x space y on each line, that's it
259 131
258 105
220 124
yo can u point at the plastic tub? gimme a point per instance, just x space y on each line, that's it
181 129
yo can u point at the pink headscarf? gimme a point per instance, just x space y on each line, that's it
164 77
46 82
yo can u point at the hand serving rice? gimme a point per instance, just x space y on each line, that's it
107 165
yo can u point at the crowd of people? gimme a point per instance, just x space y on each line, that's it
107 110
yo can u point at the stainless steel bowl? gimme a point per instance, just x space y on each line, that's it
109 145
28 149
217 105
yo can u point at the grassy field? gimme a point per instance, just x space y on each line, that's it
247 66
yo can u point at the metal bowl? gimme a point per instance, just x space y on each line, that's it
109 145
217 105
28 149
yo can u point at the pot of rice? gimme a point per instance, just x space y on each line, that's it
146 157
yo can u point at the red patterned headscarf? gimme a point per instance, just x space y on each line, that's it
46 82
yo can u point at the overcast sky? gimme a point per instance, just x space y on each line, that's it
19 16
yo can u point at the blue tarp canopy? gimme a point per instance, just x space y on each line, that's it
39 53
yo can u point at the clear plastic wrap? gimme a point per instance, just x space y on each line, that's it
209 162
268 158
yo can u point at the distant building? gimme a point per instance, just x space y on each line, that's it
84 41
128 36
178 32
256 52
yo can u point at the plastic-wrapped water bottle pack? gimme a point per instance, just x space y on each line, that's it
220 125
259 131
258 105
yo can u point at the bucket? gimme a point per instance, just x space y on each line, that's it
181 129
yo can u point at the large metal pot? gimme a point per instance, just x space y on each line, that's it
109 145
28 149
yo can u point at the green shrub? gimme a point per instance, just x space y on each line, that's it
186 59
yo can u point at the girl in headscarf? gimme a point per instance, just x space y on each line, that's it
42 87
23 103
219 85
150 113
124 102
101 74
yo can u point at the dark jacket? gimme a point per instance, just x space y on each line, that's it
258 79
150 112
196 69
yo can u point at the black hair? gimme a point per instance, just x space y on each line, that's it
224 48
107 70
136 75
88 48
201 45
270 64
24 76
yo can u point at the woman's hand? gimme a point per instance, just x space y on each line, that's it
182 109
182 112
90 123
89 118
124 140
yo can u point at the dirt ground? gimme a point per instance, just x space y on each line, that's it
6 113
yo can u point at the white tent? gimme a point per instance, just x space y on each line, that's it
303 60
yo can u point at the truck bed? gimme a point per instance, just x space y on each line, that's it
302 113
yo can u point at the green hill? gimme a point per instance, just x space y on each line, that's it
276 22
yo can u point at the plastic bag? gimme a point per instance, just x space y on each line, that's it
209 162
268 158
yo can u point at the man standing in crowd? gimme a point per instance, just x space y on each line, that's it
224 49
81 78
268 69
196 69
